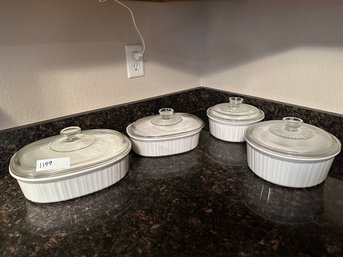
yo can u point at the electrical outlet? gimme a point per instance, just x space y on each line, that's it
134 64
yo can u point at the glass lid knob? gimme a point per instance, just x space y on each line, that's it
70 133
292 123
166 118
166 113
291 127
72 140
235 101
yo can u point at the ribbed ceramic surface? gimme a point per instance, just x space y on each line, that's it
72 187
166 147
227 132
289 173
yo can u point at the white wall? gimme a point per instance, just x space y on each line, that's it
60 57
290 51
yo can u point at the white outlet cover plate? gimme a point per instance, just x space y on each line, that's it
134 68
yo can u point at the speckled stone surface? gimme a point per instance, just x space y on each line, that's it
205 202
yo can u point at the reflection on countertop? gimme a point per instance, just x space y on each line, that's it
205 202
282 204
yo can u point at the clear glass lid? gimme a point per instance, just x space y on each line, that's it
291 137
235 112
166 124
71 151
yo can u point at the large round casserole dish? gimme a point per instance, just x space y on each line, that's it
228 121
165 134
290 153
70 165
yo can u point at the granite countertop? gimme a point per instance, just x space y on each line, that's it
202 203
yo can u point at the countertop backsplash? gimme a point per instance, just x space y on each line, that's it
194 101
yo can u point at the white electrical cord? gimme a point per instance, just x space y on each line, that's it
138 55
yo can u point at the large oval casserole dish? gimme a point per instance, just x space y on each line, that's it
165 134
290 153
72 164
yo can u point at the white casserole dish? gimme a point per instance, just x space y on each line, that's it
228 121
70 165
165 134
290 153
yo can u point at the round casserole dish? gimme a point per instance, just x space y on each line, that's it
228 121
165 134
72 164
290 153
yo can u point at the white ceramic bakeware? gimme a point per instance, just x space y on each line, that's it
70 165
290 153
228 121
165 134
